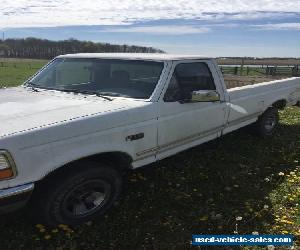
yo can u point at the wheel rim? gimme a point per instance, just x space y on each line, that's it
270 122
86 198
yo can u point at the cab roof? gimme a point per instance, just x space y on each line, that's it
136 56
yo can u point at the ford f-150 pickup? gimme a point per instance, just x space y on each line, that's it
70 131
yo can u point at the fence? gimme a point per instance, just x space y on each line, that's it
264 71
22 65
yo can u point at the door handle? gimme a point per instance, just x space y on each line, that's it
135 137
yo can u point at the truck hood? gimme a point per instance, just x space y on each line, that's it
22 109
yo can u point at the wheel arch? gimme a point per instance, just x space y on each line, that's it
279 104
120 161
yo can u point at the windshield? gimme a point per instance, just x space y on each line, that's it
125 78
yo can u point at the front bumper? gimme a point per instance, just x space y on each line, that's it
14 198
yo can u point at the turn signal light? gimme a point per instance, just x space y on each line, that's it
7 166
6 174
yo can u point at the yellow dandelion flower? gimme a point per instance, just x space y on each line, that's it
204 218
62 226
47 237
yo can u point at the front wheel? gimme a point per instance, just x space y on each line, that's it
79 196
267 122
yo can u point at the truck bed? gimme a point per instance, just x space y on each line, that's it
233 81
249 101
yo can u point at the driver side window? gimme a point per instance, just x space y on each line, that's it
189 77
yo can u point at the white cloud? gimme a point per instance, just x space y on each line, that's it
41 13
260 15
162 30
278 26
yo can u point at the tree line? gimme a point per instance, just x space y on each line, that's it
47 49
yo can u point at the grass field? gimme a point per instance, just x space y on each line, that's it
13 72
200 191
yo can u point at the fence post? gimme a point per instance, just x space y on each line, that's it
295 70
236 69
267 70
242 66
272 71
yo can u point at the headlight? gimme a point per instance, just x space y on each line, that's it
7 166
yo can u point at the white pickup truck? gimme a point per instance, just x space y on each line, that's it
69 132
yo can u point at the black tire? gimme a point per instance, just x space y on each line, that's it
267 122
76 196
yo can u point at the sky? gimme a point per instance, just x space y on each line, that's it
258 28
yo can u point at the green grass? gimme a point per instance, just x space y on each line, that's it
200 191
15 72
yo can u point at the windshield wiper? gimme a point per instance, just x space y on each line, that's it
113 94
36 87
32 85
87 92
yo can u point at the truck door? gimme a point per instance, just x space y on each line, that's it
183 124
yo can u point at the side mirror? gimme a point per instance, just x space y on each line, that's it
205 96
201 96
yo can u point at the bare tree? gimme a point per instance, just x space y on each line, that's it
45 49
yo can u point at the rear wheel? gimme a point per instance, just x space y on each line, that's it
267 122
79 196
